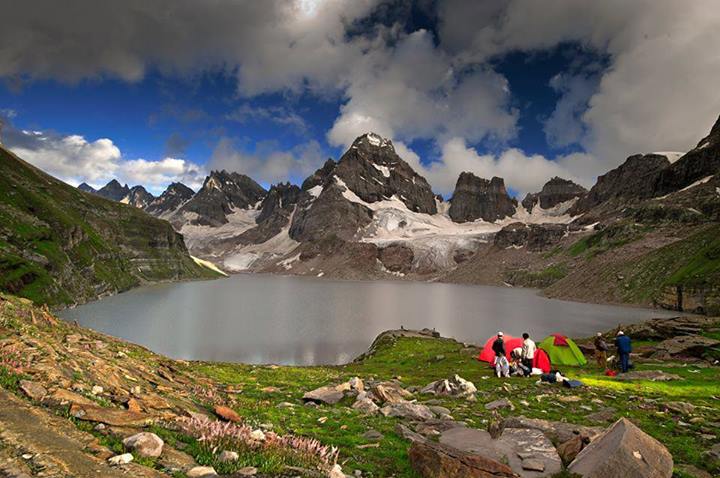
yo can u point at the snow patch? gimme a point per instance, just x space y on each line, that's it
315 190
672 156
239 221
383 169
554 215
125 200
697 183
288 263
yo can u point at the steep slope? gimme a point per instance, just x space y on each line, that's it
170 200
477 198
114 191
60 245
87 188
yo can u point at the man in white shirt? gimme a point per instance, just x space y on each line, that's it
528 350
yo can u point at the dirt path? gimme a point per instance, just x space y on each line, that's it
56 446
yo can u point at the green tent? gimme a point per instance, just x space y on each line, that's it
562 350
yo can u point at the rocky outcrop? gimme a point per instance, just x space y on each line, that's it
477 198
661 329
170 200
396 258
222 192
686 346
554 192
696 164
87 188
623 450
631 181
138 197
114 190
536 237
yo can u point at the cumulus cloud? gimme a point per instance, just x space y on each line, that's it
267 163
275 114
74 159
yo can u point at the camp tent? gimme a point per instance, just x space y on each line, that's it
541 361
562 350
487 354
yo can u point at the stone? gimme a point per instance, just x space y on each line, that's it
570 399
413 411
372 435
390 392
227 456
201 472
686 346
693 471
134 406
713 454
145 444
652 375
257 435
123 459
623 450
97 390
533 464
456 386
438 410
683 408
557 432
227 414
570 449
365 405
515 447
64 397
604 415
109 416
285 405
497 404
247 471
435 460
33 390
336 472
356 384
329 395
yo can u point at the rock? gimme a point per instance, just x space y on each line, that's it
570 449
285 405
134 406
682 408
336 472
438 410
692 471
396 258
684 347
497 404
247 471
227 456
604 415
63 397
653 375
713 454
365 405
570 399
554 192
409 410
145 444
201 472
477 198
356 384
536 237
109 416
516 447
455 386
33 390
97 390
661 329
328 394
435 460
123 459
623 450
372 435
557 432
257 435
227 414
390 392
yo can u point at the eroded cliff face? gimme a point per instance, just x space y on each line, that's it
477 198
553 193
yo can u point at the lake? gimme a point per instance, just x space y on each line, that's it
305 321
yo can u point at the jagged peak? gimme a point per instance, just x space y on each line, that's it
373 139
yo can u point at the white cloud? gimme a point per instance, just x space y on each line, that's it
267 163
275 114
156 175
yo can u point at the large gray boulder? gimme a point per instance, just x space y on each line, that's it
145 444
557 432
623 450
687 346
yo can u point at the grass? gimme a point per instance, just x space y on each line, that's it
538 279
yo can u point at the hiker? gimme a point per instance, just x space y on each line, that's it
499 345
517 367
528 350
502 366
624 347
601 348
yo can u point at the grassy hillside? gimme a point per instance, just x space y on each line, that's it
59 245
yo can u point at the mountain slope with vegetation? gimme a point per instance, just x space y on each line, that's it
60 245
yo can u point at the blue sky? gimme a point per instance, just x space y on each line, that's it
499 88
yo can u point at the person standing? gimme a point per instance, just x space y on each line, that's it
624 347
502 365
499 345
601 348
528 350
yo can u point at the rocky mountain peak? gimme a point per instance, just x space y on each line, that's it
554 192
138 197
170 200
87 188
280 196
477 198
114 190
372 140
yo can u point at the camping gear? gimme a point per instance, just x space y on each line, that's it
541 361
573 383
487 354
562 350
610 373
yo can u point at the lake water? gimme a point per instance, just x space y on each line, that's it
300 320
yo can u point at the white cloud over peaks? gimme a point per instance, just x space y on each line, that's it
74 159
268 163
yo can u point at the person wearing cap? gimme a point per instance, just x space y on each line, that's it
624 347
601 348
499 345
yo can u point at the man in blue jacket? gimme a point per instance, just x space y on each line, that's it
624 347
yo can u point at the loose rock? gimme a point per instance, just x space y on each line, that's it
413 411
33 390
227 414
201 472
145 444
502 403
123 459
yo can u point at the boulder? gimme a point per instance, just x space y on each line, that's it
687 346
682 408
62 397
557 432
227 414
109 416
623 450
652 375
713 454
409 410
527 452
570 449
329 394
435 460
247 471
604 415
501 403
365 405
227 456
390 392
33 390
456 386
123 459
144 444
201 472
661 329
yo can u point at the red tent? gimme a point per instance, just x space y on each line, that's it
487 354
541 361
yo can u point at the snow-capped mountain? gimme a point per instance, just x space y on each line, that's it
175 196
138 197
